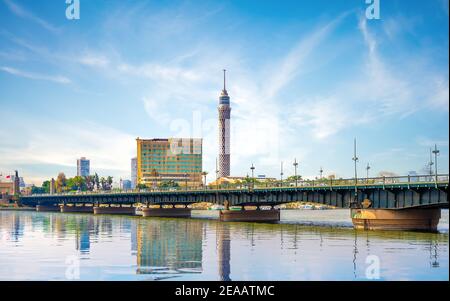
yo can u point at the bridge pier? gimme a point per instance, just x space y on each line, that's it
47 208
166 212
413 219
75 208
272 215
115 210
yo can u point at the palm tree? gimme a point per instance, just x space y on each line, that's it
97 181
204 174
109 180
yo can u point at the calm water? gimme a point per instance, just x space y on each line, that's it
306 245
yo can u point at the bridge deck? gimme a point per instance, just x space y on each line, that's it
375 195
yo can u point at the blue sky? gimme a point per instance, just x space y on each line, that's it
305 78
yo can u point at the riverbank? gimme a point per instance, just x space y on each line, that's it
4 208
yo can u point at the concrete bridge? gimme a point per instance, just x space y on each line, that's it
407 202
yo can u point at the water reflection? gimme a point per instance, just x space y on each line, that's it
165 246
224 251
35 246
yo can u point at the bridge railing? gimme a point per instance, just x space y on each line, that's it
257 184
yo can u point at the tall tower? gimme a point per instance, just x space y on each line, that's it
224 131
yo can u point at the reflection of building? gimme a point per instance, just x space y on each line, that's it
224 131
133 172
83 166
170 245
83 241
224 251
133 234
175 159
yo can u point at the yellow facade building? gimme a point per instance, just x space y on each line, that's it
172 159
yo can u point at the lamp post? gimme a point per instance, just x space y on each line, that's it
436 153
431 162
321 172
281 174
253 175
367 171
217 176
295 171
186 180
355 159
204 178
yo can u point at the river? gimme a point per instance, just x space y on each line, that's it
305 245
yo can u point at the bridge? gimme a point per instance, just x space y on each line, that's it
408 202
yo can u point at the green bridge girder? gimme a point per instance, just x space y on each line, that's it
381 196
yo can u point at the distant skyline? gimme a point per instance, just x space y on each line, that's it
304 78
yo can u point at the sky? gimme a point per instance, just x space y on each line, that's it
305 78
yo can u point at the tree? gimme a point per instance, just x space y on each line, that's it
90 183
103 183
37 190
141 186
168 184
97 181
46 186
79 182
109 181
204 174
61 182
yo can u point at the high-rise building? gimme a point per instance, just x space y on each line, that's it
126 184
133 172
224 131
83 167
174 159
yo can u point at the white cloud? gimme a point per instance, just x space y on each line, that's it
36 76
159 72
292 63
25 14
94 60
59 144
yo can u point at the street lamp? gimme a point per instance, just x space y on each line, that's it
281 174
355 158
253 176
367 170
431 162
186 180
295 171
204 178
436 153
217 175
321 172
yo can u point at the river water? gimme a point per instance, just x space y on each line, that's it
305 245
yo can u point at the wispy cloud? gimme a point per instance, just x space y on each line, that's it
94 60
58 145
28 15
292 63
36 76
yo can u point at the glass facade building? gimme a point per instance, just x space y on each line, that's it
173 159
83 167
